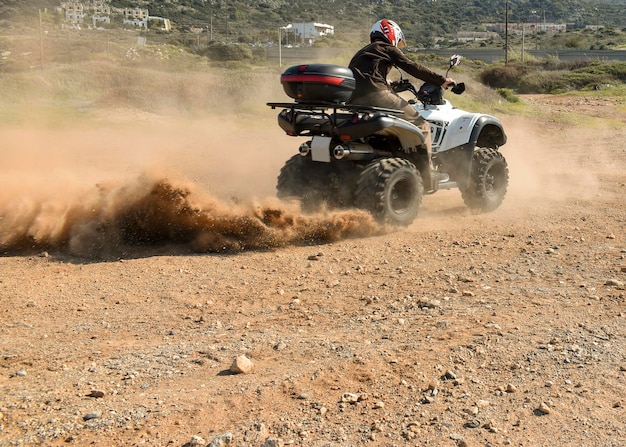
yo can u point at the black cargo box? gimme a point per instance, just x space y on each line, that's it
318 82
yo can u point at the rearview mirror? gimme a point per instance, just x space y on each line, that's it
455 60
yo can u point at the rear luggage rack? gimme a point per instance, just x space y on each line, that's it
325 105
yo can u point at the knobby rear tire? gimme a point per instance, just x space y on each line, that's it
391 189
305 180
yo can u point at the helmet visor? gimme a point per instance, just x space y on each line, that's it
401 40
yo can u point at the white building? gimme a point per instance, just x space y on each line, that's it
74 13
135 17
101 13
306 33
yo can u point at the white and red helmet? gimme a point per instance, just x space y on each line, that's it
389 31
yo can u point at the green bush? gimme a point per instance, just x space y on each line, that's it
618 70
541 81
507 94
225 52
503 76
552 75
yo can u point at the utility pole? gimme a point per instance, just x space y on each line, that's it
280 47
41 39
506 32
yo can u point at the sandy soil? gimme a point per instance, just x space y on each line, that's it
506 328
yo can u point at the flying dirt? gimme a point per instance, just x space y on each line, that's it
110 191
96 202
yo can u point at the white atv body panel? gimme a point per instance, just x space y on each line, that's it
450 127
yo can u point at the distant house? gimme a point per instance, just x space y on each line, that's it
101 13
306 33
530 27
135 17
471 36
74 14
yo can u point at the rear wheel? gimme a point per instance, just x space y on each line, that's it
305 180
391 189
488 181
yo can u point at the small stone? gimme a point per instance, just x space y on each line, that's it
450 375
510 388
429 304
93 415
222 440
242 365
196 441
280 346
614 283
428 400
96 393
350 398
472 423
482 403
273 442
378 405
544 408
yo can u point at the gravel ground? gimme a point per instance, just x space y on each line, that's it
506 328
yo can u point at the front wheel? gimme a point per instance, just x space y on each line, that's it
488 181
391 189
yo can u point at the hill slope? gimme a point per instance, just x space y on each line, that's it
422 21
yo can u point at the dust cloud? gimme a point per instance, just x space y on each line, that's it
122 179
549 165
181 185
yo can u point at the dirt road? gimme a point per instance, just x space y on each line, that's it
499 329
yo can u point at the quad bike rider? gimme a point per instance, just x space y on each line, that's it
371 158
371 66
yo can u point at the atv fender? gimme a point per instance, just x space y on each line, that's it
486 132
409 135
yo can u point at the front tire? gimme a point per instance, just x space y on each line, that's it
488 181
391 189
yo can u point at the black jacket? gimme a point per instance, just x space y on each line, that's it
372 63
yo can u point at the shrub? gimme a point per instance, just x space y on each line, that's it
225 52
541 81
506 76
507 94
618 70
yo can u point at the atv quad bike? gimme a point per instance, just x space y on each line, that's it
370 158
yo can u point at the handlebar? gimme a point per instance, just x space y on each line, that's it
459 88
404 85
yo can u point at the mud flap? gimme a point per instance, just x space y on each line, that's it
320 149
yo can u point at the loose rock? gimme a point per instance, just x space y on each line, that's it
242 365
